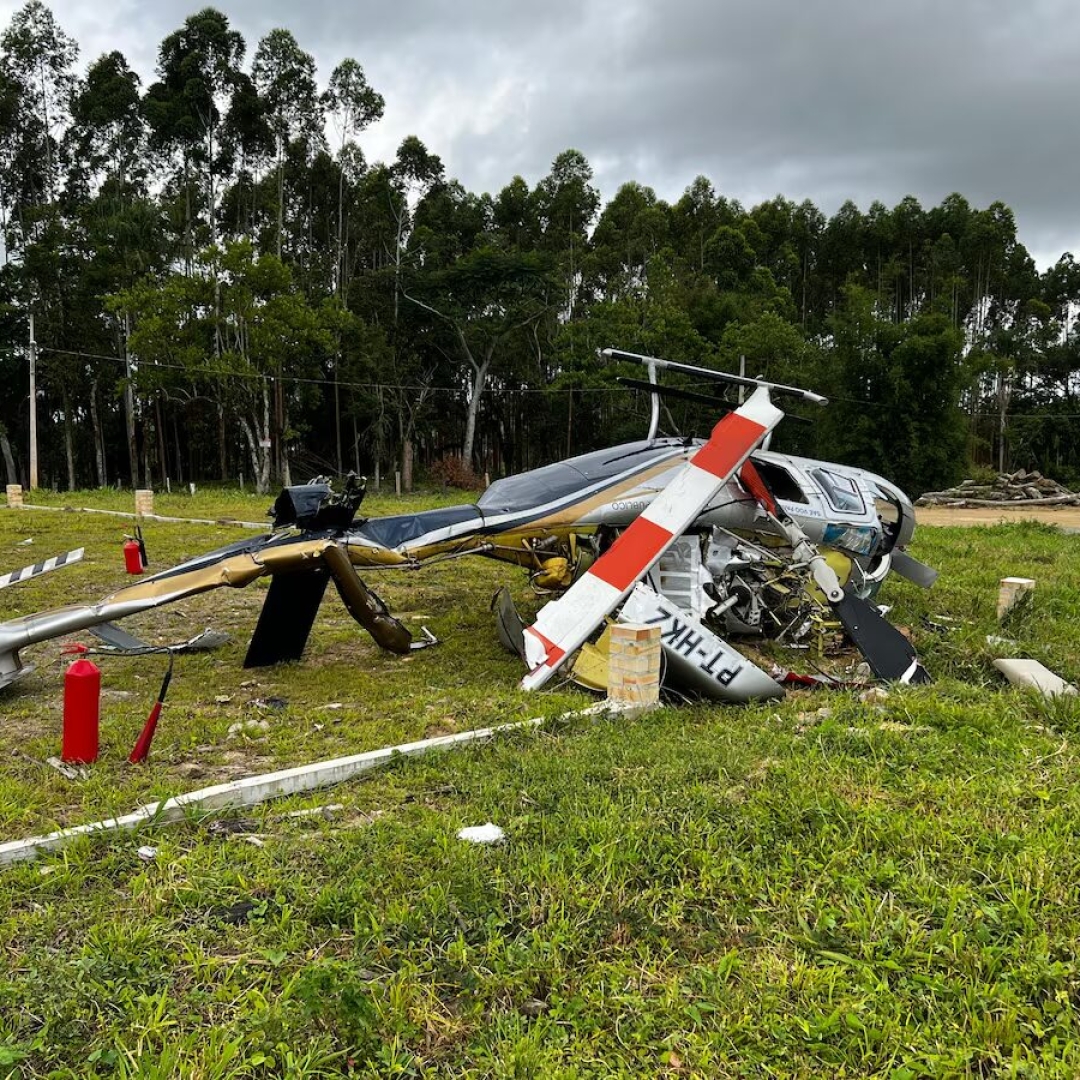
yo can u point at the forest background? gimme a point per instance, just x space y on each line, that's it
223 288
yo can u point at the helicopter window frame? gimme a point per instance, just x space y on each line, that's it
841 490
781 483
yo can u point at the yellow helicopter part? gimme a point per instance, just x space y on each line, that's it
840 565
554 573
590 669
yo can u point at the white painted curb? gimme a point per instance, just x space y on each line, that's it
264 526
253 790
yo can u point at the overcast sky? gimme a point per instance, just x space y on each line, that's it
819 99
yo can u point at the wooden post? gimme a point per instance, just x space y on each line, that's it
15 496
1012 590
397 483
634 666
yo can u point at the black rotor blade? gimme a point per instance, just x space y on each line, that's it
671 391
890 655
691 395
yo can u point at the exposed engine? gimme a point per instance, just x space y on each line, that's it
741 587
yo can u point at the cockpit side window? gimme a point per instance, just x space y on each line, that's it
841 491
780 482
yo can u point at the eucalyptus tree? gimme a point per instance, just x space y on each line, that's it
567 205
631 231
38 57
108 133
198 74
353 106
284 75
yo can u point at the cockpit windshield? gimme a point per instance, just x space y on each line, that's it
841 491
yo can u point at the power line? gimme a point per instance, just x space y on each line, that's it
307 380
311 381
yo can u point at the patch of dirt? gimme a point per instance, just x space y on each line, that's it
1066 517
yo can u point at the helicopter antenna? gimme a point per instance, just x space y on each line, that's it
652 363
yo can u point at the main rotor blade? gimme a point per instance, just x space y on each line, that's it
717 376
693 395
672 392
564 624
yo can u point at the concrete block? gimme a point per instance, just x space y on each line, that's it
634 665
1011 591
1032 673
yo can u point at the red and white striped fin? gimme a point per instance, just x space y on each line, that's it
564 624
37 569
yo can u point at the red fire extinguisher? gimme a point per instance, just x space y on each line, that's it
82 712
135 559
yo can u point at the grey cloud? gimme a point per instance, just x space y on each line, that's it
825 100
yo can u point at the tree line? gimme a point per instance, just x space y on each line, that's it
223 286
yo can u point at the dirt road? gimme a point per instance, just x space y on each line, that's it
1067 517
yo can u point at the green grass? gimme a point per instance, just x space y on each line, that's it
885 890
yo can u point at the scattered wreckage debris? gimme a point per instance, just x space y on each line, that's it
1020 488
115 640
748 540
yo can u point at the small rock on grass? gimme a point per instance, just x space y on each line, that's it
874 695
248 727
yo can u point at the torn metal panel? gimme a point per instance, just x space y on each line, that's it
508 623
116 640
364 606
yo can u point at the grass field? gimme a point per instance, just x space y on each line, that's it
824 887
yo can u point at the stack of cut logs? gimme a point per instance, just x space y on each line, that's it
1021 488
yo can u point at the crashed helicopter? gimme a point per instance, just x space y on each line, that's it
709 538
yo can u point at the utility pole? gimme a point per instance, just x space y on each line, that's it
33 408
129 411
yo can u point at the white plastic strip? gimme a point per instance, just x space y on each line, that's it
232 522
